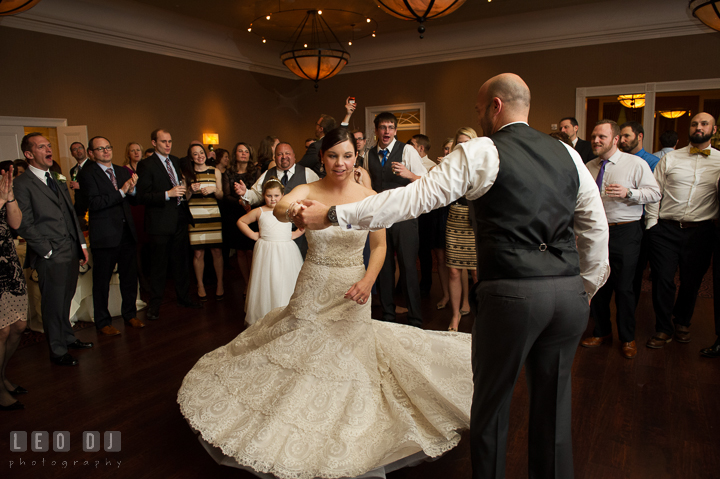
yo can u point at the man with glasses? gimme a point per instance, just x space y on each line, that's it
109 190
361 144
55 244
393 164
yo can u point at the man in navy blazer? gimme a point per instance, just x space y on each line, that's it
167 218
55 244
113 239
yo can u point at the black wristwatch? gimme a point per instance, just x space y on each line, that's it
332 216
629 194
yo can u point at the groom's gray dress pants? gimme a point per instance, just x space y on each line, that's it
536 322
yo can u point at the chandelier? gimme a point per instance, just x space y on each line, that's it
419 10
13 7
632 101
707 11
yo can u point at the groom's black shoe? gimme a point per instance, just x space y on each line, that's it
79 345
713 351
65 360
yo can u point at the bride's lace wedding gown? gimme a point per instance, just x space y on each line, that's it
319 389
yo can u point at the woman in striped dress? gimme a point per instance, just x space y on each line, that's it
460 247
206 187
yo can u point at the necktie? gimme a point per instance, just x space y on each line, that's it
172 177
384 156
284 179
51 182
112 177
600 175
695 151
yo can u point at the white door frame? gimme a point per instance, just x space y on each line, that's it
32 121
649 89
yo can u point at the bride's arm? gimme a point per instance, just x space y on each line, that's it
360 291
283 206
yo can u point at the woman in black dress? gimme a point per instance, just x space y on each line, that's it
242 167
13 292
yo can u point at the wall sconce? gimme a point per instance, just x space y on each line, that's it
211 139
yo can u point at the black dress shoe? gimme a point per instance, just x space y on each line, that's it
189 303
152 315
13 407
19 390
65 360
79 345
713 351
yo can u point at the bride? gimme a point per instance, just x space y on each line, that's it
318 388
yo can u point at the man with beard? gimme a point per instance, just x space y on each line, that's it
631 141
289 174
681 230
626 184
569 126
532 196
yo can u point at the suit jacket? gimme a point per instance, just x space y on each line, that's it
109 211
311 158
161 216
584 149
45 224
81 201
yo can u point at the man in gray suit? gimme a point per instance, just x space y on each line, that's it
55 243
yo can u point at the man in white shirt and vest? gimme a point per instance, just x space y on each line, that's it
681 229
532 197
625 183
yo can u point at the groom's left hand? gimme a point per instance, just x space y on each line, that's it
312 216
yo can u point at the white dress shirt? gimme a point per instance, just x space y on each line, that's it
410 157
688 184
254 195
633 173
172 169
428 163
471 171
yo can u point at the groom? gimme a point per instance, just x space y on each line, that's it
532 195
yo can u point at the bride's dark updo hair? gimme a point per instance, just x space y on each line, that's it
335 137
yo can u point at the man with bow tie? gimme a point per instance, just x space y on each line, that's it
681 230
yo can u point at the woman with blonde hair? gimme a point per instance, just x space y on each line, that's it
460 246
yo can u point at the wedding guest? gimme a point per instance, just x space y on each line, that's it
223 159
266 152
460 253
54 244
13 291
206 186
276 258
241 168
167 216
20 167
133 157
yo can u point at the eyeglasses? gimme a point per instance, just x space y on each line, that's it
386 128
103 148
360 138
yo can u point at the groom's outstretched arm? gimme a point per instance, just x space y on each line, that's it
468 171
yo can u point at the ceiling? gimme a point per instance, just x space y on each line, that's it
239 14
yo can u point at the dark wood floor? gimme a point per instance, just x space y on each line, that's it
657 416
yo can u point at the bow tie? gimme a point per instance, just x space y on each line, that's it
695 151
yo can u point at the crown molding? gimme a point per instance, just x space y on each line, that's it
141 27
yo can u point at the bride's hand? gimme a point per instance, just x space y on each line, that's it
360 292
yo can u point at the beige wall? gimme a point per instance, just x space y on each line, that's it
124 94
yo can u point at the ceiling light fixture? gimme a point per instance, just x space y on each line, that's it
419 10
707 11
325 55
632 101
13 7
672 114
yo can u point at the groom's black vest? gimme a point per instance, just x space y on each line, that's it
524 224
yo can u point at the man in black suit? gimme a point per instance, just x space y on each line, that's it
113 238
77 150
55 244
167 217
311 158
569 126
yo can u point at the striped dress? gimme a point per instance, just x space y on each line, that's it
207 231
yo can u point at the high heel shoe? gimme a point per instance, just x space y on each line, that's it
464 313
19 390
442 305
202 298
219 297
452 329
